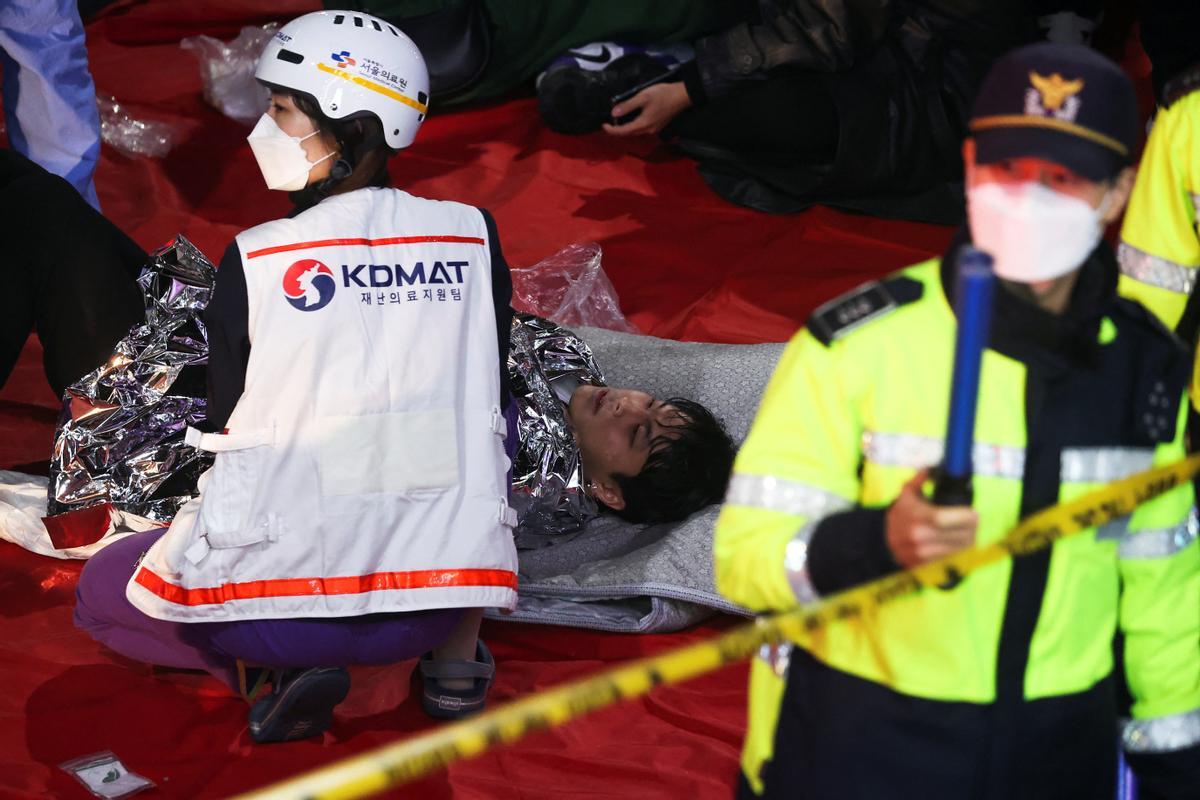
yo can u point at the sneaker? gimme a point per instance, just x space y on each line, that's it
443 703
598 55
580 100
300 705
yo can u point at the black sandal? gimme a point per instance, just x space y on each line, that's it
442 703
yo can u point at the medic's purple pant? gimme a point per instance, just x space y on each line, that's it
102 610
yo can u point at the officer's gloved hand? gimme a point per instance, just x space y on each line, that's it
918 531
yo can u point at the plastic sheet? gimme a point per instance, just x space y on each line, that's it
694 267
228 71
104 775
75 534
120 435
570 288
132 136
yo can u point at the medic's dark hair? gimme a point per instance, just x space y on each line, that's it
364 153
688 469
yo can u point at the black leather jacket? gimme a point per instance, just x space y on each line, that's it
834 35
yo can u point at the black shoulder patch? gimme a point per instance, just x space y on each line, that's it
861 305
1181 85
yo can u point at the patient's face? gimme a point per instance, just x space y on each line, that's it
616 428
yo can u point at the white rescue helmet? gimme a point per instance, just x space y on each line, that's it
352 63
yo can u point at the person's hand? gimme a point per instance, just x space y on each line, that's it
918 531
659 104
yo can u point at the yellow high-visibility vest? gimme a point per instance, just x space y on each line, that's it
1159 250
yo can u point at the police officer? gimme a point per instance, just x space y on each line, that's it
1159 251
1002 686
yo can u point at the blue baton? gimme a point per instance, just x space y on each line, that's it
1126 782
973 307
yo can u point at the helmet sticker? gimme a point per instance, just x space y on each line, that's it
374 86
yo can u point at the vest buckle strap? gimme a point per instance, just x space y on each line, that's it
197 550
227 442
265 531
507 516
499 424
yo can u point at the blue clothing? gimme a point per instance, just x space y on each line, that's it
48 94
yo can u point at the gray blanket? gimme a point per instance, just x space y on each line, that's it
617 576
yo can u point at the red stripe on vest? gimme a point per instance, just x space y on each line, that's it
301 587
284 248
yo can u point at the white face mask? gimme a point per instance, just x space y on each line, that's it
1033 232
282 160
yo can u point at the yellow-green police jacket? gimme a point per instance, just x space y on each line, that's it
1160 246
847 423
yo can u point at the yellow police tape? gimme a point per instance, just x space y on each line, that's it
413 758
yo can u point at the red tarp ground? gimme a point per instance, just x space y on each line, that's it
686 266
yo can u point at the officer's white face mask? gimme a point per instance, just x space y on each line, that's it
282 159
1033 232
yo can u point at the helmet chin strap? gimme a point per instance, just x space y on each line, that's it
342 168
367 145
347 161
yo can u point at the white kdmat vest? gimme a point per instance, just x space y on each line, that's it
363 468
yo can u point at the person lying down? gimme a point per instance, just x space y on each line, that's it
584 446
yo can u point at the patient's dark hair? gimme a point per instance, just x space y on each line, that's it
364 151
687 470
